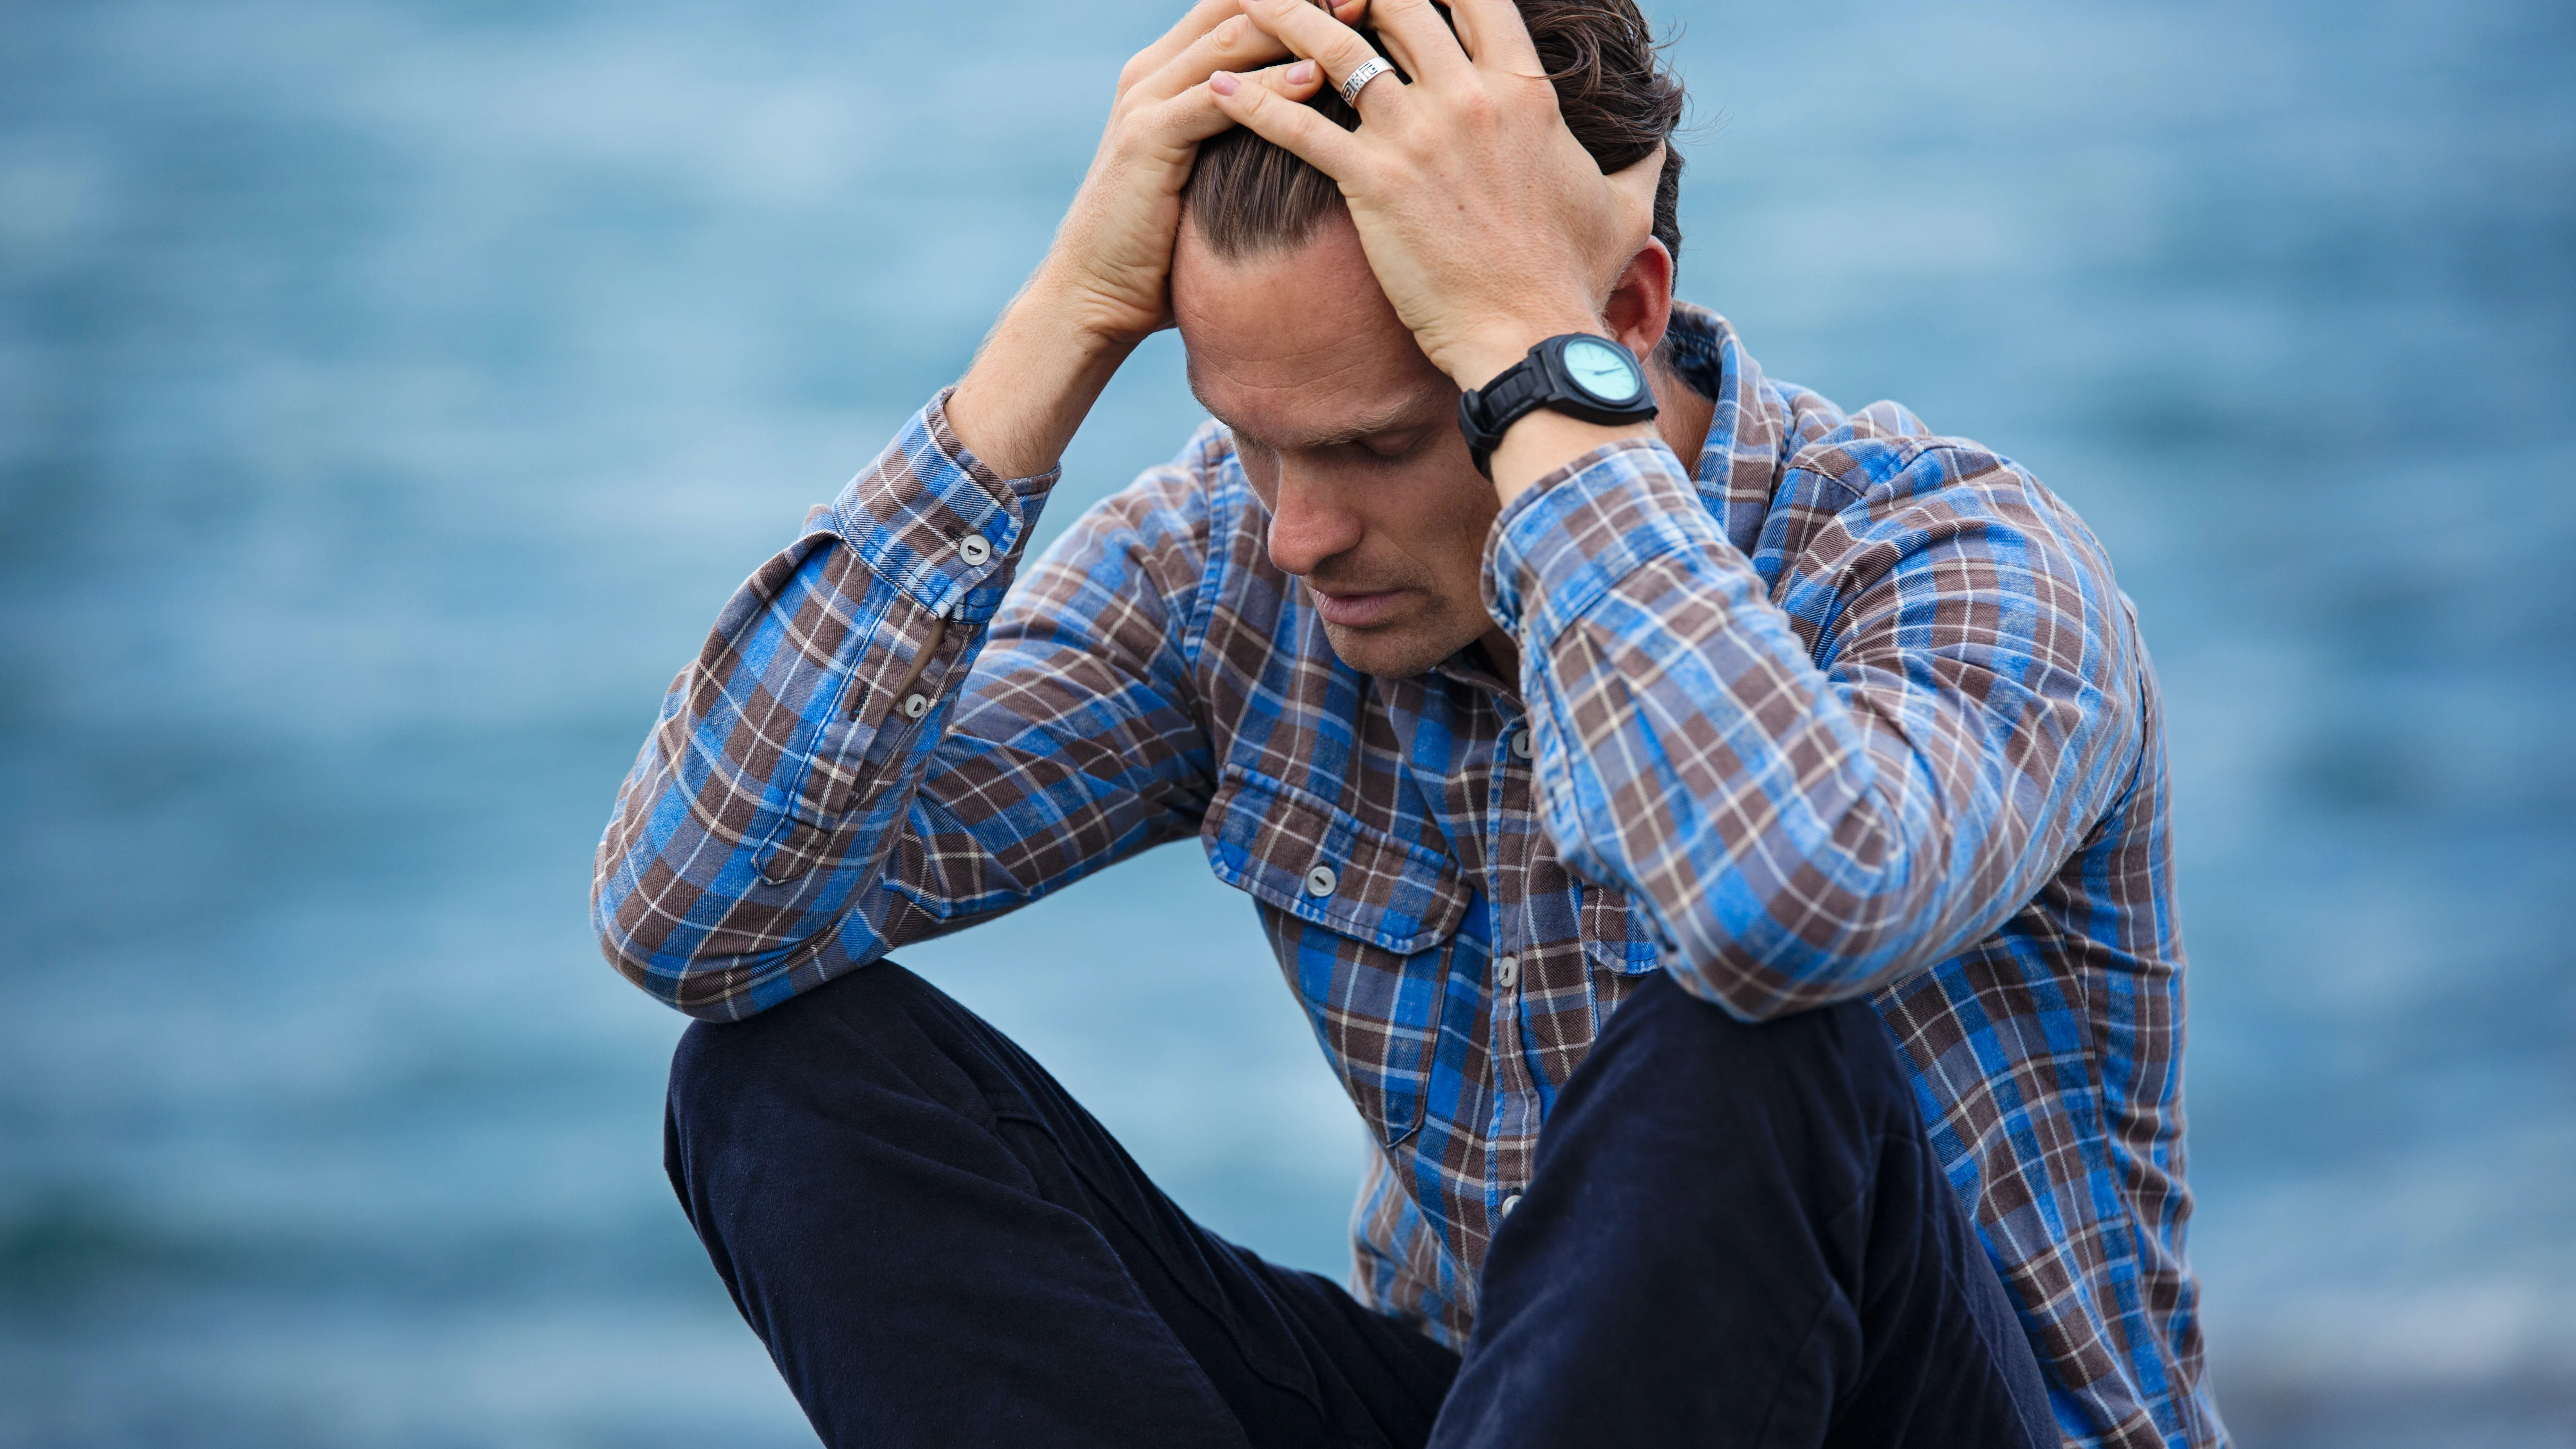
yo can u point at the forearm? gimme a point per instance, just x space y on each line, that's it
781 778
1035 378
1807 813
780 772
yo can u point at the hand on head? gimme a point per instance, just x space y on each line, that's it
1106 282
1487 224
1112 259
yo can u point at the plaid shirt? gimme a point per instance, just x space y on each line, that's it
1848 710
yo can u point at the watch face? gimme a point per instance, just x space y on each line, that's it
1602 370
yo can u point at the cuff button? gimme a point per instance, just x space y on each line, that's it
1321 880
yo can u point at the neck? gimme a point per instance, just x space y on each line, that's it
1682 416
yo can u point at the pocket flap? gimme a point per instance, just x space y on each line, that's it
1281 844
1614 934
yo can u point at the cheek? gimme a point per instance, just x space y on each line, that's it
1467 510
1448 509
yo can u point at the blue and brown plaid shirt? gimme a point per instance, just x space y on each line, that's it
1847 709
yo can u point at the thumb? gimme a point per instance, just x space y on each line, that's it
1632 192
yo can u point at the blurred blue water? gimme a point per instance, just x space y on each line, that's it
390 392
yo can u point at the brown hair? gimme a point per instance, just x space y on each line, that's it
1247 196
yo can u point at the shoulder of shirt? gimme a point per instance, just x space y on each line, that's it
1174 530
1814 451
1803 474
1881 469
1884 456
1777 444
1174 498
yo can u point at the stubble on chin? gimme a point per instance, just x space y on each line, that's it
1397 651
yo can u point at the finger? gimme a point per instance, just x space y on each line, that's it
1418 39
1301 131
1236 45
1316 35
1495 36
1201 18
1194 115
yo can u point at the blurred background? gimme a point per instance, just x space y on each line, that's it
391 392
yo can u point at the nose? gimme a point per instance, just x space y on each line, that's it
1308 525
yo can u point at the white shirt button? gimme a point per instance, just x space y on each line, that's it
1510 1202
915 705
1507 972
1321 880
974 550
1520 744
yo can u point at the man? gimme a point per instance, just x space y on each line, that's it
1784 829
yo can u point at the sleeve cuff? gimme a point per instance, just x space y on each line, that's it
912 516
1567 541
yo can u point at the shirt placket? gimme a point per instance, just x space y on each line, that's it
1512 835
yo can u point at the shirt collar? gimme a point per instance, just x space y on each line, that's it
1751 433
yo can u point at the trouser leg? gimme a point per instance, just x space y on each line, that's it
1738 1235
941 1248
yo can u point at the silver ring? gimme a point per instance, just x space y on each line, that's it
1370 69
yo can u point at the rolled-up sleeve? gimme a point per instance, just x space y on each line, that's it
1818 782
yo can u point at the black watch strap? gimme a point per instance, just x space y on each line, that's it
1588 385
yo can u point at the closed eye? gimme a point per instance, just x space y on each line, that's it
1389 448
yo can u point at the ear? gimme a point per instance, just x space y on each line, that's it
1641 302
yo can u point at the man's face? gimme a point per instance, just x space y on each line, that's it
1350 437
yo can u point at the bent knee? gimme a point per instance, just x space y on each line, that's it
1664 1039
859 1051
808 1038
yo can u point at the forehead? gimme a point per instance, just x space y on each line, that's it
1300 347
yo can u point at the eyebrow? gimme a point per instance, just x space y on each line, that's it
1389 419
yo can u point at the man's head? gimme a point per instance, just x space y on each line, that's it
1345 429
1249 196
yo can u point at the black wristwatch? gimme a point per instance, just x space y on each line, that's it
1592 378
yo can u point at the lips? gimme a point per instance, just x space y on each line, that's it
1356 610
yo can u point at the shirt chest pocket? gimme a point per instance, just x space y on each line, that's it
1362 924
1617 944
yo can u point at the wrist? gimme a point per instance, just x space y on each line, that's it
1546 441
1484 355
1031 385
1073 318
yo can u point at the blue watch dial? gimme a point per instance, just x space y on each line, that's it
1602 370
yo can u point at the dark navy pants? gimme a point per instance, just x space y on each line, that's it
1735 1235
